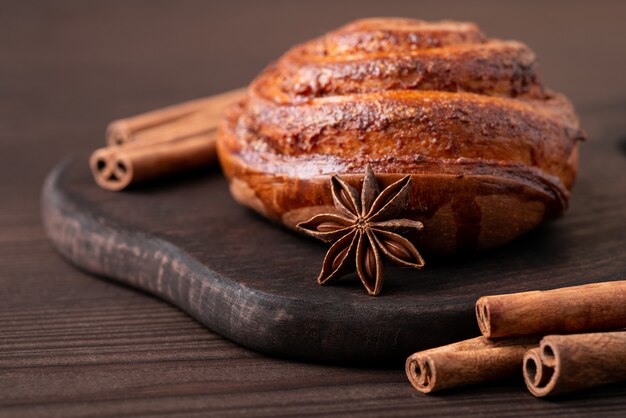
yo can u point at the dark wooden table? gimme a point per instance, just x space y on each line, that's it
74 345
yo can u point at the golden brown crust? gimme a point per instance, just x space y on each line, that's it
466 116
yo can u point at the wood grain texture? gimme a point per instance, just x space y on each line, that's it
253 282
68 347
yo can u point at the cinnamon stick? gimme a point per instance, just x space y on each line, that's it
566 363
172 122
162 142
467 362
117 167
591 307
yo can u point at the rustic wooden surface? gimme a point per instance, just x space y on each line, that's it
190 243
73 345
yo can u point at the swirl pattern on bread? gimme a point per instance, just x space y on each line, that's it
466 116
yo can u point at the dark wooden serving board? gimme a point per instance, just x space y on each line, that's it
188 242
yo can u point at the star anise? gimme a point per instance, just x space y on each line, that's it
365 230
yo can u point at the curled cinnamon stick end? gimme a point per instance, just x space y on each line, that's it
186 119
467 362
162 142
117 167
592 307
566 363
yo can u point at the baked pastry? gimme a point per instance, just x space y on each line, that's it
490 151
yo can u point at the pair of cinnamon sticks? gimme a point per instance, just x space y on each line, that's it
163 142
512 327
